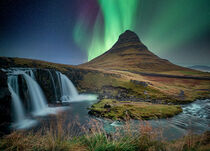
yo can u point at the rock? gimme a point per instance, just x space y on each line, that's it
142 83
5 105
107 106
181 95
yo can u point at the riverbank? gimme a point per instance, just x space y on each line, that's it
59 137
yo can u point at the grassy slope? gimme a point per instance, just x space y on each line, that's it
31 63
166 89
99 80
118 84
132 59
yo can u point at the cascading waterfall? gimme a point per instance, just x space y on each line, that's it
30 73
68 90
24 118
53 82
59 82
16 102
37 97
20 120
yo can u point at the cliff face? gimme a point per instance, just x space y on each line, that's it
5 104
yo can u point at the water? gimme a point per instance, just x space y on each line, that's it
69 92
59 81
36 97
19 114
54 88
20 119
195 118
39 103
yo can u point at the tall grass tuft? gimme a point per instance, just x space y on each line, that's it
58 135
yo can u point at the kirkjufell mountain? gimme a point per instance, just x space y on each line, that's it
129 53
126 81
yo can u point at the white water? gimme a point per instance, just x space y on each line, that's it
53 82
69 92
16 102
59 81
195 118
37 97
20 120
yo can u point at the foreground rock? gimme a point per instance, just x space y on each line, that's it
5 104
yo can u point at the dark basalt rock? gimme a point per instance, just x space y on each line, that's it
128 36
131 40
5 105
107 106
142 83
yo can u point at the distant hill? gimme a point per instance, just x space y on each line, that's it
129 53
200 68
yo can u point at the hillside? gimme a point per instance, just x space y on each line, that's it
130 54
129 71
132 61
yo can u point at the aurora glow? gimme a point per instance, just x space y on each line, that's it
75 31
176 23
163 27
118 16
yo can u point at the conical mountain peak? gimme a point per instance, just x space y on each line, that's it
129 53
127 37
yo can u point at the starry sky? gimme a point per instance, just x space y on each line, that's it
76 31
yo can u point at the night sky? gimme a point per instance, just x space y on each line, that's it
75 31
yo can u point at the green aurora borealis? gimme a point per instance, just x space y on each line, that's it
161 25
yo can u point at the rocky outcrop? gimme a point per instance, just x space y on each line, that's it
5 104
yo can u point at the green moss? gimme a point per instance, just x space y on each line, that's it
134 110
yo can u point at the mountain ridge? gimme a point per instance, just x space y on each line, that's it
130 53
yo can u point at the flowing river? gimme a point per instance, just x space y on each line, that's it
195 117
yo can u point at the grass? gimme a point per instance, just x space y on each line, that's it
110 108
113 82
60 136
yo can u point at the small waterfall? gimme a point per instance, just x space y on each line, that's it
30 73
37 97
68 90
59 82
53 82
16 102
34 97
20 120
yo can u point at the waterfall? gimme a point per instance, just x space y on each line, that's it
36 95
67 88
59 82
69 92
20 120
30 73
16 102
53 82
